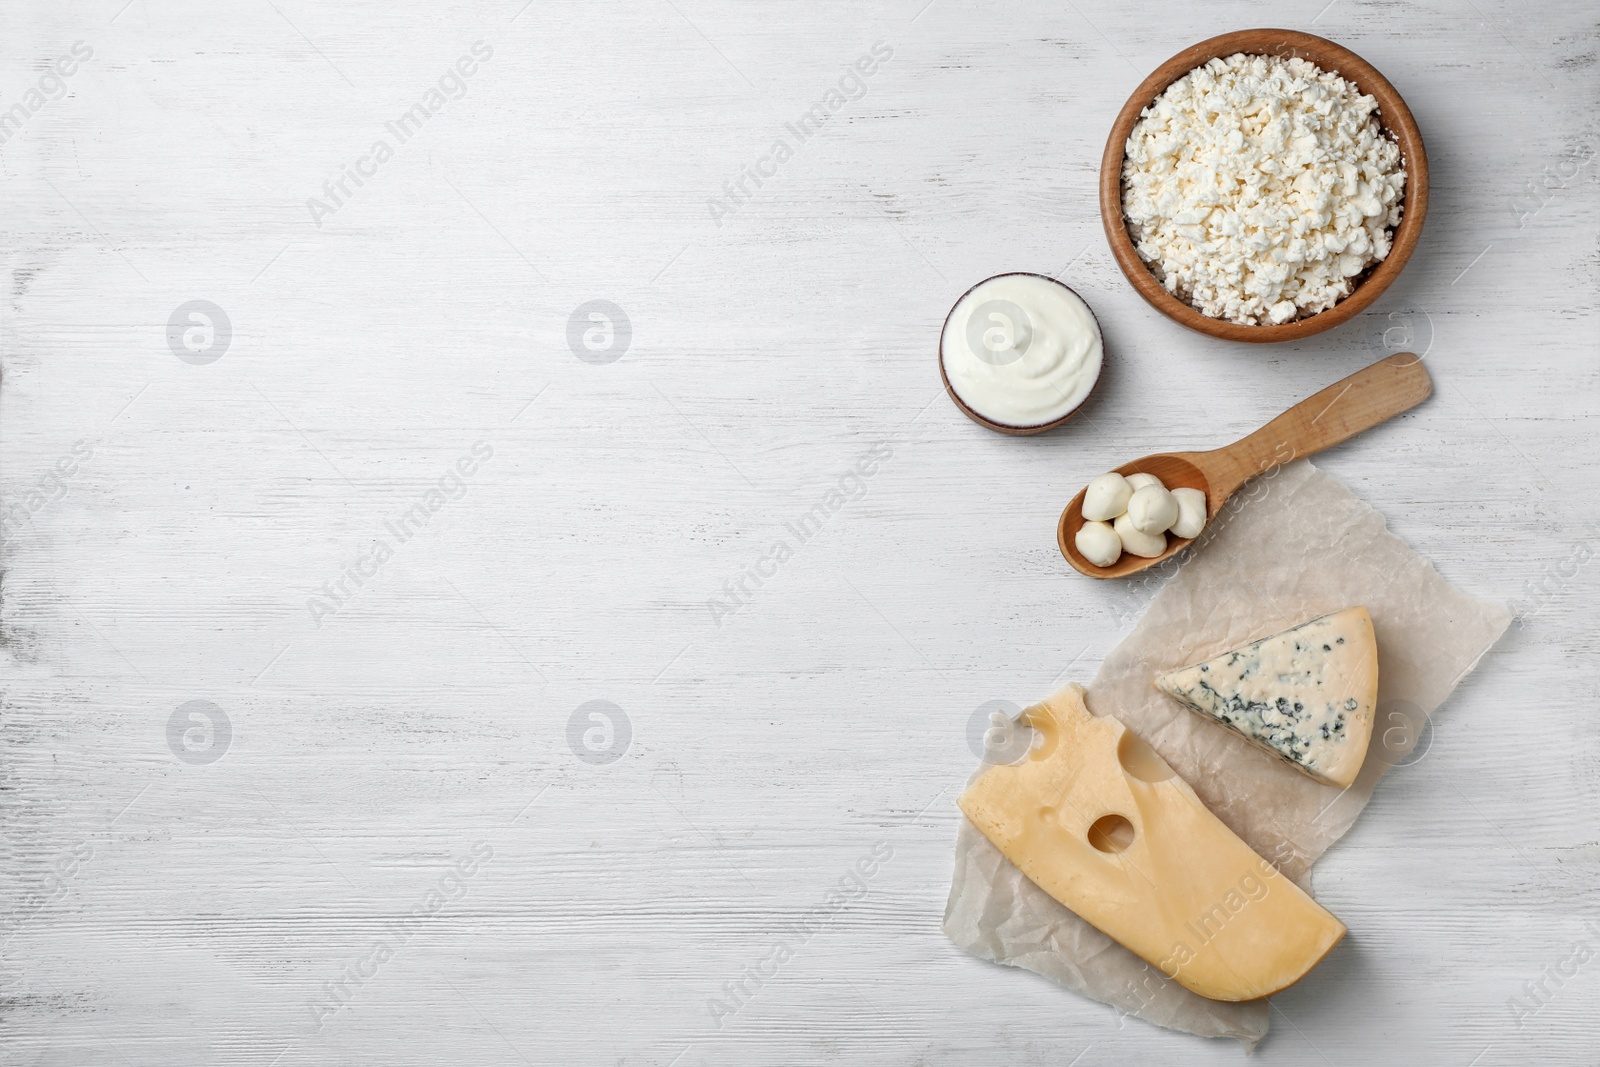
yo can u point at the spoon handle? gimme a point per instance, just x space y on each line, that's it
1324 419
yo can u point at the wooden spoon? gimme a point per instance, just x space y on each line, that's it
1339 412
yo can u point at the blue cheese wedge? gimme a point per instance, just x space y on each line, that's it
1306 695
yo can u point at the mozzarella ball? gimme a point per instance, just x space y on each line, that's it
1191 512
1106 498
1099 543
1152 510
1139 481
1136 541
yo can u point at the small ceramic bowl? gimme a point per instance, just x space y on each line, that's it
1395 118
1000 427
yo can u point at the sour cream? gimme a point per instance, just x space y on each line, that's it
1021 350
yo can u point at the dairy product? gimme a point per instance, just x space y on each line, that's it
1097 819
1191 512
1106 497
1139 481
1140 511
1021 350
1099 542
1306 695
1258 188
1152 509
1135 540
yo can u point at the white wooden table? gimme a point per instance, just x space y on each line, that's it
392 833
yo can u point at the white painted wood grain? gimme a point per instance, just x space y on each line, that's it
162 912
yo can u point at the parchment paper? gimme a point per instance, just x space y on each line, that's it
1293 545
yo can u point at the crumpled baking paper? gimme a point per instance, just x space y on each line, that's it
1292 545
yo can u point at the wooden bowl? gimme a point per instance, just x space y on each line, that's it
1393 115
1006 428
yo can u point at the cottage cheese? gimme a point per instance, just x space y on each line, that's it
1258 188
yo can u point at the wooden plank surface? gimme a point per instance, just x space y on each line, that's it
410 843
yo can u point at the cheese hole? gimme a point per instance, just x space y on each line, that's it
1140 760
1042 730
1111 833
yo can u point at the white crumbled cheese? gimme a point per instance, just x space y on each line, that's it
1258 188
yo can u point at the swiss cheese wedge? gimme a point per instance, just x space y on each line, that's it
1100 822
1307 695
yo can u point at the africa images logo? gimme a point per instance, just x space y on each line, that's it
336 593
849 487
51 85
199 332
851 86
451 85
